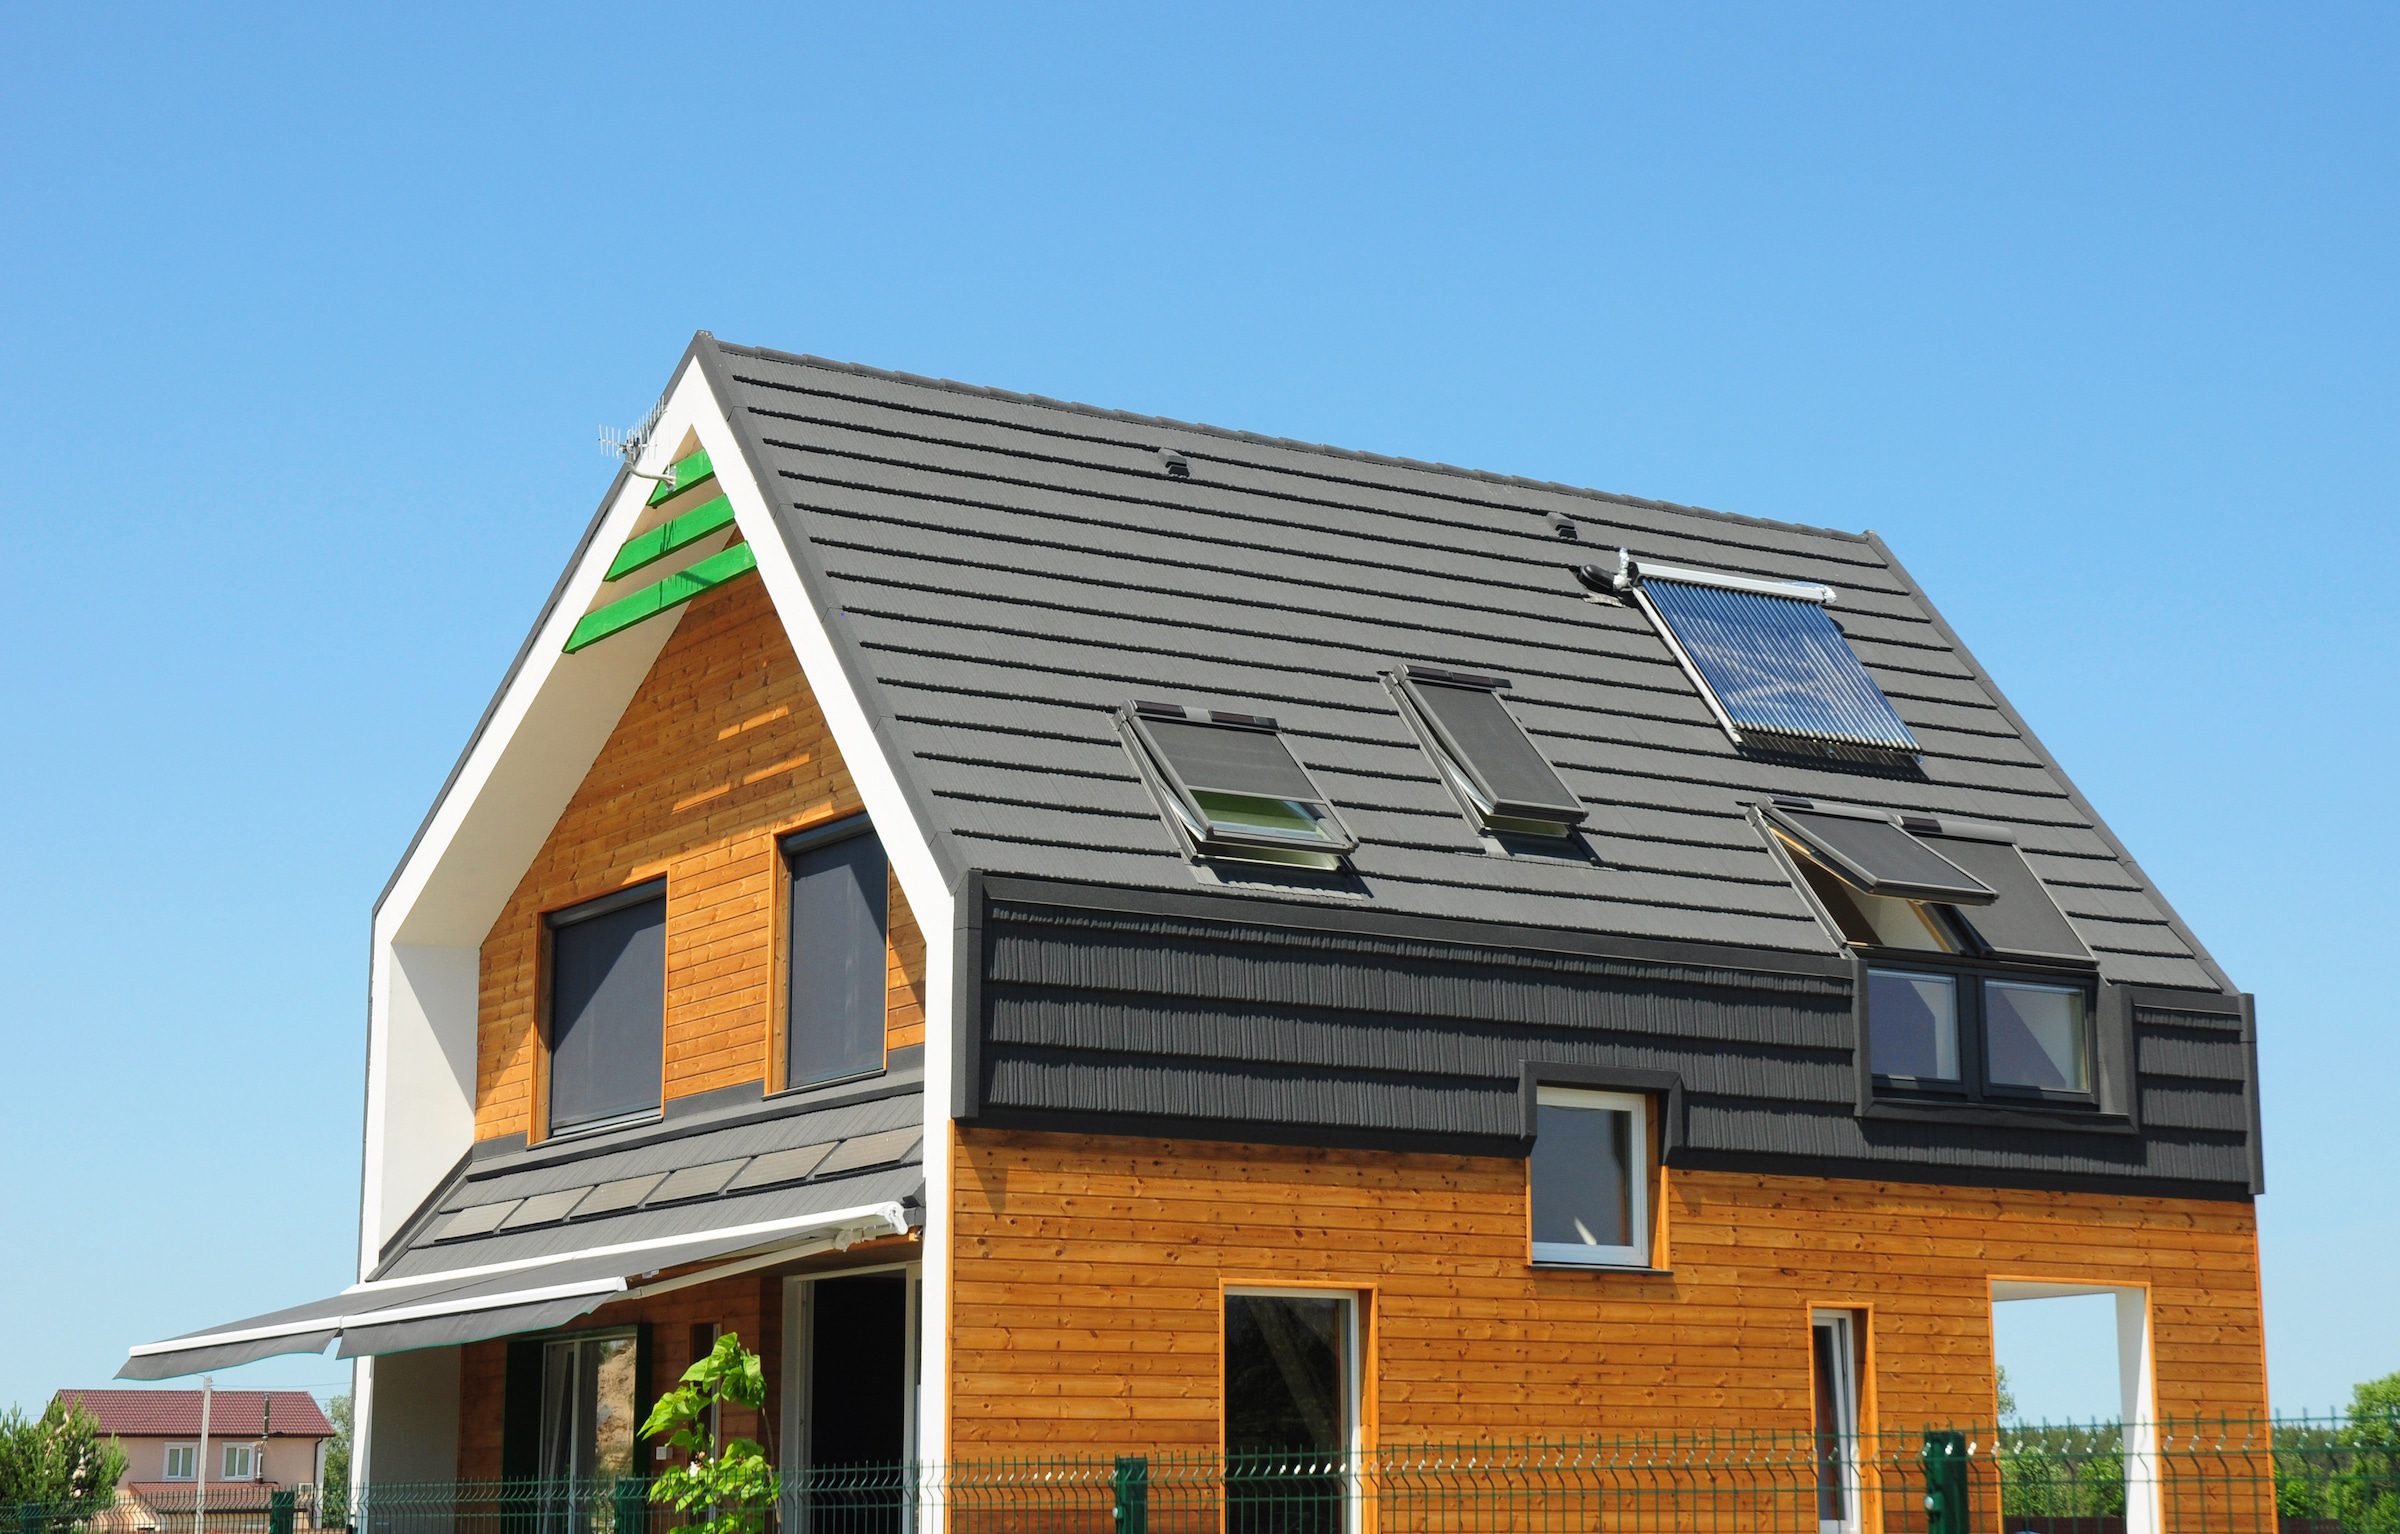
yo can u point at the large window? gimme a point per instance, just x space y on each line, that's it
1979 1036
181 1460
240 1462
1291 1411
1590 1178
608 987
590 1406
836 970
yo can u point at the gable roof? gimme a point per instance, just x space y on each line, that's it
176 1413
1001 571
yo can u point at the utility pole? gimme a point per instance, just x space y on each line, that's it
200 1469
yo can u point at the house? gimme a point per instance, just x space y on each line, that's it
257 1442
1079 934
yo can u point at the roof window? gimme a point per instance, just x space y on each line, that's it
1489 763
1925 885
1767 658
1232 788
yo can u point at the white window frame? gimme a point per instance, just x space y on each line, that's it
1843 1324
1571 1254
249 1470
167 1471
1354 1378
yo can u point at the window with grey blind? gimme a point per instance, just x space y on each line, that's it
835 939
608 993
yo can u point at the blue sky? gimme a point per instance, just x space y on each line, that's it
306 325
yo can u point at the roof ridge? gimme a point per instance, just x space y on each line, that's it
1289 444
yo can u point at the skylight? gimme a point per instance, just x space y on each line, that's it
1232 788
1768 659
1919 884
1487 760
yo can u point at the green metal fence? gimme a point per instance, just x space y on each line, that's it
2289 1476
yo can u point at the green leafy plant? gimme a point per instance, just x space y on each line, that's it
58 1460
729 1485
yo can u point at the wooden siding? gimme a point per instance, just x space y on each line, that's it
721 751
1088 1272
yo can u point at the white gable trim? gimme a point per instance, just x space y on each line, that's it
544 731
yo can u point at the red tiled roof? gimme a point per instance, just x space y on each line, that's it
231 1413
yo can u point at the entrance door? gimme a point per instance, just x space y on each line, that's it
1291 1411
1833 1370
589 1410
855 1393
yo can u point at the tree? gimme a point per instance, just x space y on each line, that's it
731 1485
2365 1492
2008 1397
336 1490
58 1460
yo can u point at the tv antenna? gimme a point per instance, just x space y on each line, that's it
631 443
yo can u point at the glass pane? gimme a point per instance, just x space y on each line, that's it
1286 1374
2035 1036
557 1457
1276 817
1583 1171
1877 921
1912 1025
841 894
608 994
614 1414
1833 1427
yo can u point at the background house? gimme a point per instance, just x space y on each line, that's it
258 1441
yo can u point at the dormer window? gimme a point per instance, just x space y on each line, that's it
1767 658
1975 985
1232 788
1488 762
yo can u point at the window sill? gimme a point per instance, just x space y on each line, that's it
829 1084
1543 1265
604 1127
2012 1115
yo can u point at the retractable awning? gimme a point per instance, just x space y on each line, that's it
505 1298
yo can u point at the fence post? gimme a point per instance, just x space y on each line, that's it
280 1503
1132 1487
29 1518
1945 1460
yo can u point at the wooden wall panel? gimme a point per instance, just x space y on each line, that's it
1088 1274
721 751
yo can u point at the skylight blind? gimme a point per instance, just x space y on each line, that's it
1776 665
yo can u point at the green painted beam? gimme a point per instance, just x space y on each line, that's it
669 592
670 535
688 472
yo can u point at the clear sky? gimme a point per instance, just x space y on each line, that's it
307 323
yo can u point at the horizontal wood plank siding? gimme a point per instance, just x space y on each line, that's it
721 751
1085 1298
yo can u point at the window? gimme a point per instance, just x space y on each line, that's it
1833 1389
1981 1036
608 983
1232 788
1924 884
589 1407
1590 1178
182 1460
1291 1394
837 968
1767 658
240 1462
1486 759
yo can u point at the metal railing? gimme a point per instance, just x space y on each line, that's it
2286 1476
222 1507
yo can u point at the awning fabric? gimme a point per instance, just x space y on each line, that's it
472 1304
